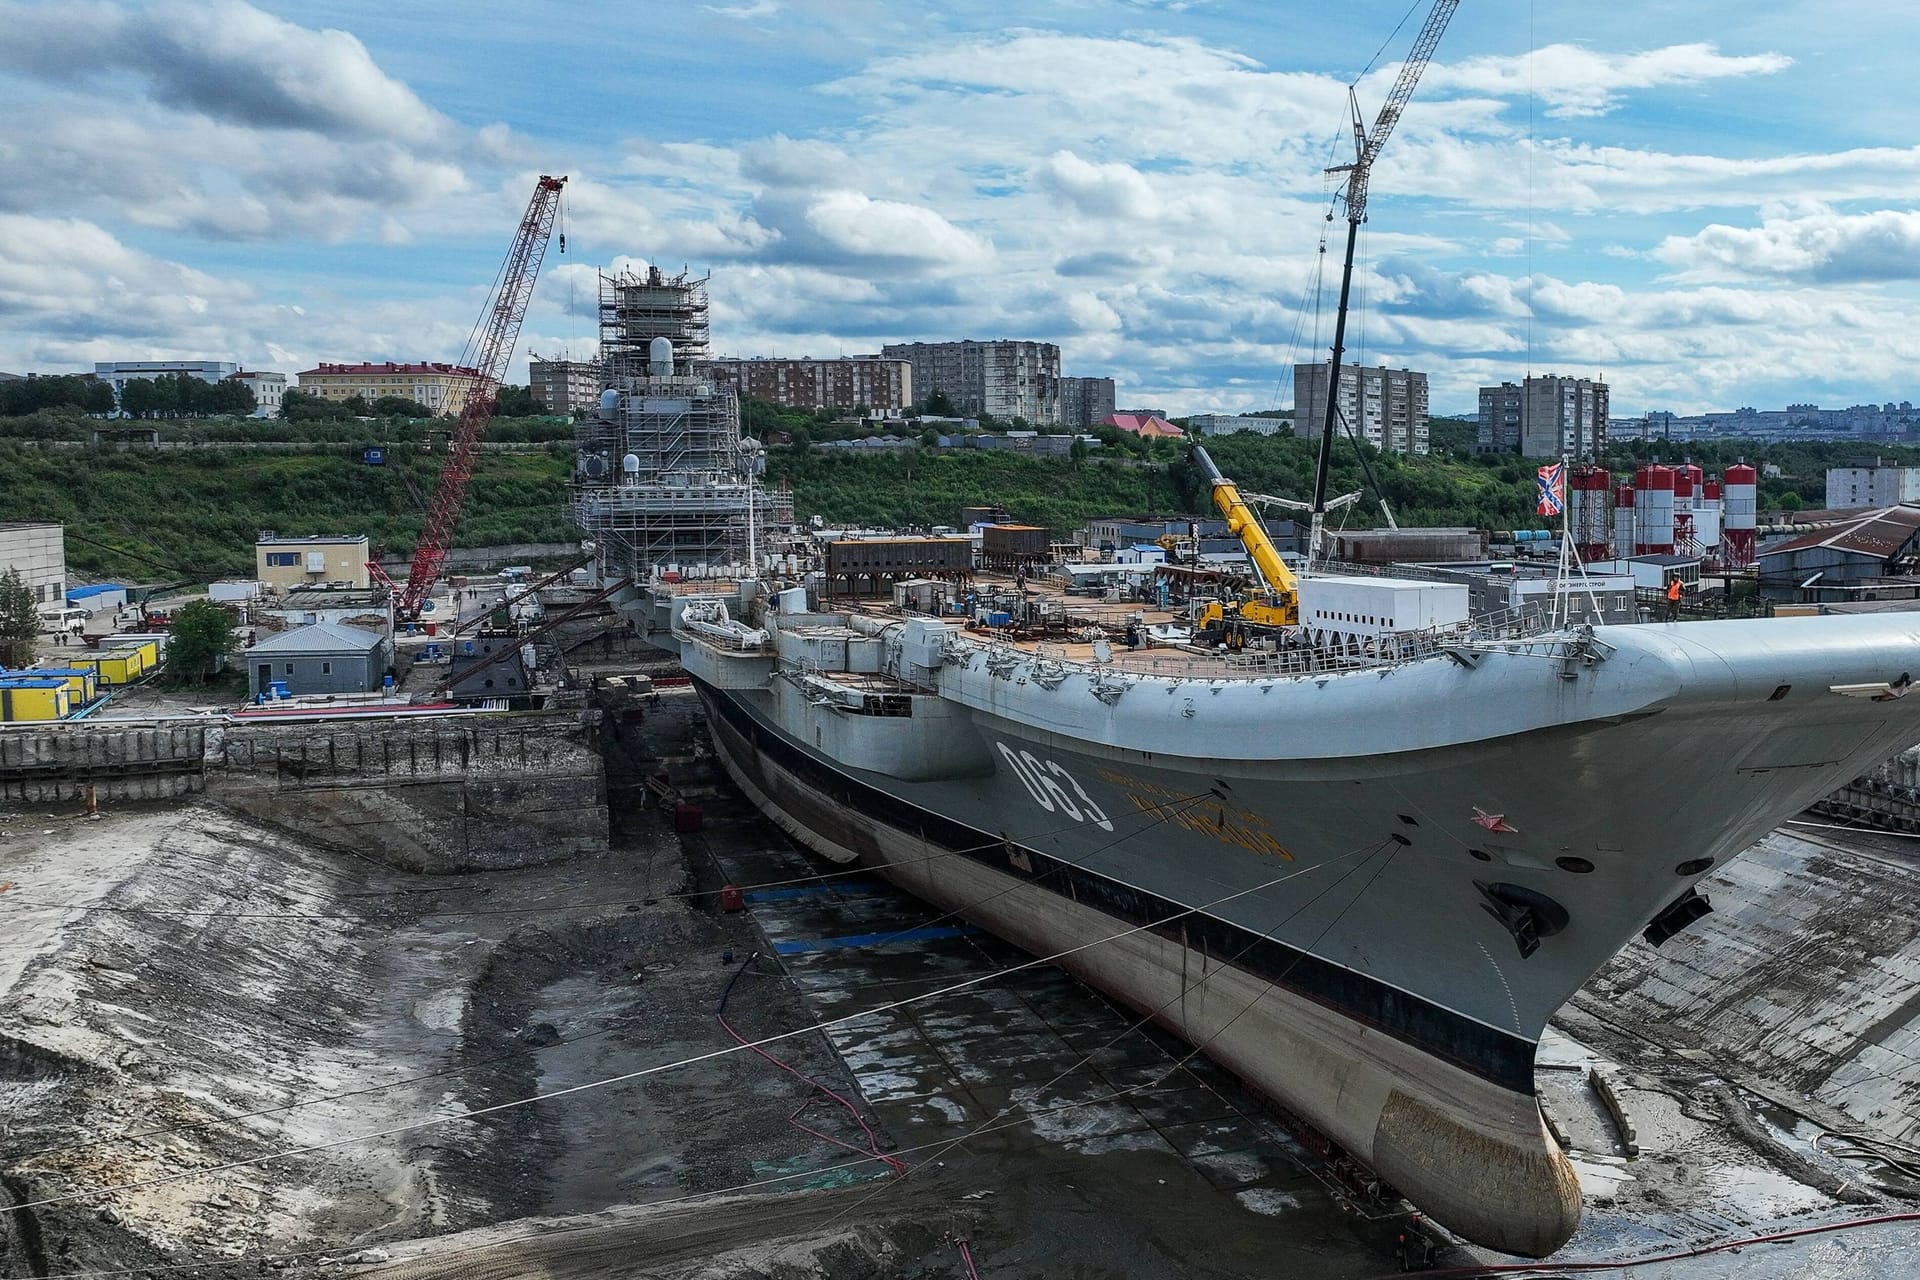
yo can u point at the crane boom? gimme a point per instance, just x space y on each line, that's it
1246 526
1365 150
499 329
1367 145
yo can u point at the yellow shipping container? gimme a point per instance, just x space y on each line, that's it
149 652
82 682
34 700
116 667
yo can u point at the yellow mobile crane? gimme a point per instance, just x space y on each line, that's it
1273 603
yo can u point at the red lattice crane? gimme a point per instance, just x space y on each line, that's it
490 348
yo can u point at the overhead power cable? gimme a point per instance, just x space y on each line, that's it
1171 806
661 1068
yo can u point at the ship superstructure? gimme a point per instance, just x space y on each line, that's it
664 481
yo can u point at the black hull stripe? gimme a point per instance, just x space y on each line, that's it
1505 1060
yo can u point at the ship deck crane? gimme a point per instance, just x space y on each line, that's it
1366 149
491 347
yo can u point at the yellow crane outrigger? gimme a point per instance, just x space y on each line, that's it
1275 602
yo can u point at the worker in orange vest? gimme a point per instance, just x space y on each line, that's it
1673 600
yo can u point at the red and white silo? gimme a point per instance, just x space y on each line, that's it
1653 510
1588 509
1742 515
1623 520
1686 479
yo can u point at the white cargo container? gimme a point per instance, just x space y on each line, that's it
1365 608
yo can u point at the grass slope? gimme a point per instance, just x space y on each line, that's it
195 513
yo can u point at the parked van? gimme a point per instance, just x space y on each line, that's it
64 618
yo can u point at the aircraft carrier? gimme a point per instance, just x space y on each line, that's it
1361 877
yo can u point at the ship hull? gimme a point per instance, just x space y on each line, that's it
1366 891
1471 1151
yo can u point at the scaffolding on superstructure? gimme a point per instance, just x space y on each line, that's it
638 306
663 480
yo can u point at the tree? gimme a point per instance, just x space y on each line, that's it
201 634
801 439
19 620
55 391
929 439
136 397
400 407
940 405
232 395
516 402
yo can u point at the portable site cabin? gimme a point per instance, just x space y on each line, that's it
24 699
116 666
146 646
82 682
323 657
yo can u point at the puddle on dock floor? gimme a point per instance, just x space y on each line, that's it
1035 1066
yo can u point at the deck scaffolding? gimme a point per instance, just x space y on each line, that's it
663 480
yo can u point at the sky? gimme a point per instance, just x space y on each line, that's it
1707 205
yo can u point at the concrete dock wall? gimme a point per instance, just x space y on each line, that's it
454 794
55 762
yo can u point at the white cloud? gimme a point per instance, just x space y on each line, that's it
1112 190
1821 246
226 60
1575 82
870 228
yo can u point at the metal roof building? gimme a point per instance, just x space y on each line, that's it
1875 544
323 657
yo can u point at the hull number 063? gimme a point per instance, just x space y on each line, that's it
1043 780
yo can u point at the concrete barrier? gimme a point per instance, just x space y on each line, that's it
427 793
1622 1123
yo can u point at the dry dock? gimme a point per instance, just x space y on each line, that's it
245 1027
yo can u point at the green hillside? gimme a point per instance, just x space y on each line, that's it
922 487
194 513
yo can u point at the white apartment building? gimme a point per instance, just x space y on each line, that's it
1385 407
268 390
1006 378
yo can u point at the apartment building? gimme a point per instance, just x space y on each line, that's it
442 388
1006 378
1385 407
1546 416
875 385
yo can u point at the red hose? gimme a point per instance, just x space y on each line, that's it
966 1256
1508 1268
873 1139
